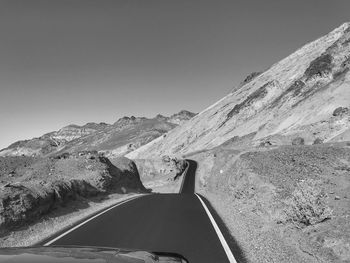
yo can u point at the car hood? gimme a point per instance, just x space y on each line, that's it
84 255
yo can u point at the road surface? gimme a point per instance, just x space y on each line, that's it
174 223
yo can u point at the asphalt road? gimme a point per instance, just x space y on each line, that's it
174 223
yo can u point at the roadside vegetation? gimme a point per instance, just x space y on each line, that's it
307 204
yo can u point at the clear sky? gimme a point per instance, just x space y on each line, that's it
78 61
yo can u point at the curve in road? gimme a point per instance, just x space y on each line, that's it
175 223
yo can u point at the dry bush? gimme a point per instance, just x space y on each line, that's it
307 204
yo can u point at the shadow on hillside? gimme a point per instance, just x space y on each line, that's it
233 244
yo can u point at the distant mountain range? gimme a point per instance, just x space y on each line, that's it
305 95
125 135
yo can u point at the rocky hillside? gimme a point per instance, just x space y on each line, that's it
31 187
304 95
125 135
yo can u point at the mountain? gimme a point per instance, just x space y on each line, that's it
181 117
73 131
125 135
306 95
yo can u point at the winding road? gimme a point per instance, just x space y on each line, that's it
177 223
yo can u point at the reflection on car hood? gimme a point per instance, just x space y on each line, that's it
84 255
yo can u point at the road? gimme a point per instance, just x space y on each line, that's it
174 223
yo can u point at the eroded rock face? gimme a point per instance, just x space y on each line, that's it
340 111
46 183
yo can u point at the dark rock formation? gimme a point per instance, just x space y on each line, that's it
298 141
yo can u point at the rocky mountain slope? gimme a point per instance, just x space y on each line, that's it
125 135
304 95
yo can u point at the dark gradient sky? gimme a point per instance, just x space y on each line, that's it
78 61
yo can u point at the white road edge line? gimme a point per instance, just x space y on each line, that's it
224 244
86 221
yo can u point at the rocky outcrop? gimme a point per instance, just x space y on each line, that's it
46 183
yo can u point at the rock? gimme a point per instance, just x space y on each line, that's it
124 173
340 111
298 141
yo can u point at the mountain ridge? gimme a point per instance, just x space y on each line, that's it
294 97
73 137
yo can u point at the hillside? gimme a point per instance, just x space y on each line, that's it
32 187
125 135
281 203
304 95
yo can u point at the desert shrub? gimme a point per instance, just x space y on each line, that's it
318 141
307 204
298 141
